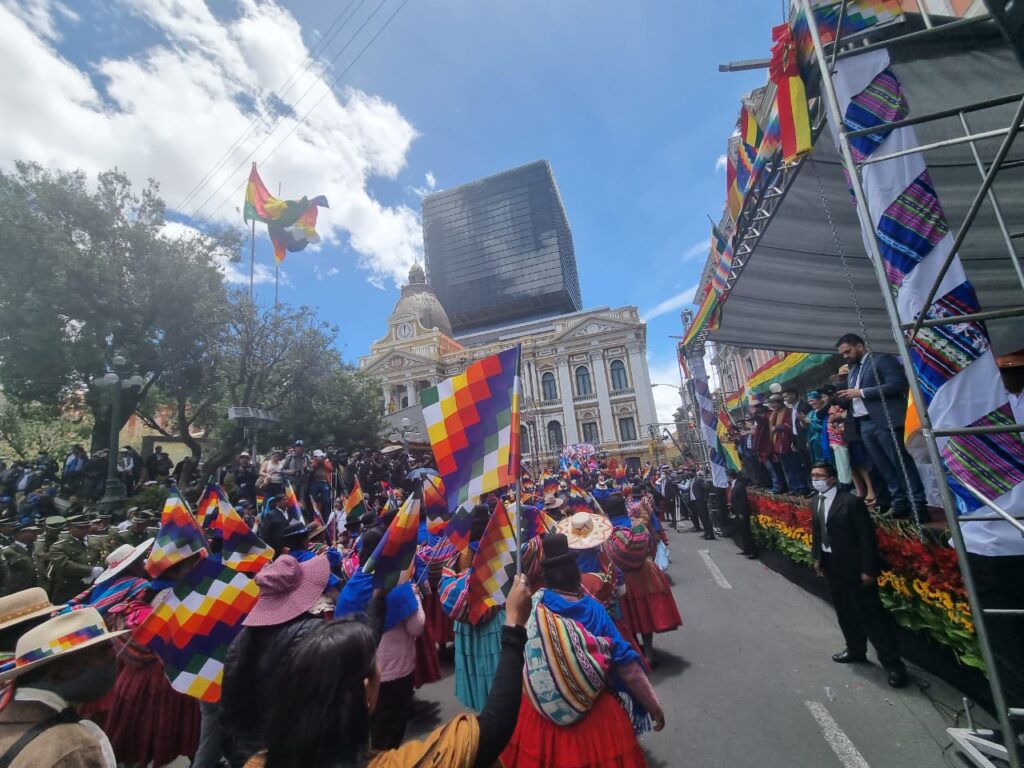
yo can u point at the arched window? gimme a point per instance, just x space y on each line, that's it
524 439
547 384
619 380
554 435
583 381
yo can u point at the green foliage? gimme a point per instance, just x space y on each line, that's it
919 615
796 551
85 273
150 497
26 429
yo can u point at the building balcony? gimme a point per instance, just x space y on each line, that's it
620 392
632 444
582 398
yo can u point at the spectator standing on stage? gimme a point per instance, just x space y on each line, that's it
321 473
764 448
799 422
877 396
245 475
295 469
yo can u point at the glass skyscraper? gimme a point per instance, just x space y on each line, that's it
499 250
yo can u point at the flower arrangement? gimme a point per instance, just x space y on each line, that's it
920 585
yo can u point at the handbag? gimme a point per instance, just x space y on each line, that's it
661 556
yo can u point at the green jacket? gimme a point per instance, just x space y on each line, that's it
23 568
127 537
71 561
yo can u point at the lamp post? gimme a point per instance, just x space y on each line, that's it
116 381
406 432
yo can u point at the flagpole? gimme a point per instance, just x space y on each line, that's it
252 263
519 463
277 267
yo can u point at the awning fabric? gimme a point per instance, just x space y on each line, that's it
794 292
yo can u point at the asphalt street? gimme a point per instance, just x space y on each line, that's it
748 680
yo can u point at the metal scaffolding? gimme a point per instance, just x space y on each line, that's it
979 746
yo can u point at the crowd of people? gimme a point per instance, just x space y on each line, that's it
323 642
855 421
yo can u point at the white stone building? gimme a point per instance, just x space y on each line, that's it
585 375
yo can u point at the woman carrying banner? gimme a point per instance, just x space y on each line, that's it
648 604
581 710
477 646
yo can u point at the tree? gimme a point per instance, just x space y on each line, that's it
28 429
85 273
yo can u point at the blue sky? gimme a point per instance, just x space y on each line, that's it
624 100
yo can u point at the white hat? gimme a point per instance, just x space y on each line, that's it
585 530
63 634
24 605
318 454
121 558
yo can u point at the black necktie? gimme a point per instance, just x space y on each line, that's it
826 543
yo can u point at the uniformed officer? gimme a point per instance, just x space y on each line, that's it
73 563
7 525
136 533
23 568
98 534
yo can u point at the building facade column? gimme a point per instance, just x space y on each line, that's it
410 393
568 411
604 403
646 412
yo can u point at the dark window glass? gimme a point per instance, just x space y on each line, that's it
619 380
627 428
550 389
583 381
590 432
554 435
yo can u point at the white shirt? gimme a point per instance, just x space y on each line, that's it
829 496
793 413
859 409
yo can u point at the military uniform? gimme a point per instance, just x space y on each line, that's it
23 569
129 536
71 562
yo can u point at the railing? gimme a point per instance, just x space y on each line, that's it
579 398
626 391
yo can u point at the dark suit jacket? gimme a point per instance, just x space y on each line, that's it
892 387
851 534
738 498
699 488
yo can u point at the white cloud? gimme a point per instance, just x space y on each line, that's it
431 181
171 111
235 272
698 250
678 301
40 15
666 398
720 162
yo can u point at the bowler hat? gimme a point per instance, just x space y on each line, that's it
556 550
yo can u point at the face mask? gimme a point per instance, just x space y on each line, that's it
821 486
92 685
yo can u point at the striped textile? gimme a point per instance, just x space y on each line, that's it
910 228
882 102
941 352
454 594
993 464
105 596
566 666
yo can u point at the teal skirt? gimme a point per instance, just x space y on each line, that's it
477 648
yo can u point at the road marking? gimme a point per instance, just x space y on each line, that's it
836 738
716 572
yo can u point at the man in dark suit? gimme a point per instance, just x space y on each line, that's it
699 504
845 552
876 384
741 508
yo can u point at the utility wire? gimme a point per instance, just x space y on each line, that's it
257 122
329 86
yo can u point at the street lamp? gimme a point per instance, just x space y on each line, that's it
117 382
405 433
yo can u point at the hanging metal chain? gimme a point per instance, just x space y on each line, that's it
864 334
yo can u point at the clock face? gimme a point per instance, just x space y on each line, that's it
405 331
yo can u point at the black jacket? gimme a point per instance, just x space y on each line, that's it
851 535
890 386
738 498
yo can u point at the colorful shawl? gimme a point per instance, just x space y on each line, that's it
566 666
105 596
454 594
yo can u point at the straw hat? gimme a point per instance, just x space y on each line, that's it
585 530
24 605
61 635
288 589
121 558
